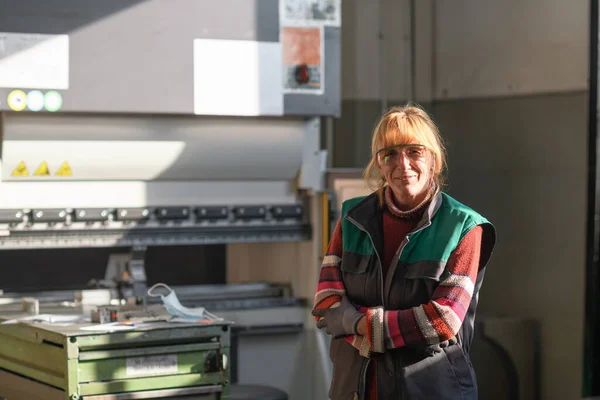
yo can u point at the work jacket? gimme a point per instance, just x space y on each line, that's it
418 267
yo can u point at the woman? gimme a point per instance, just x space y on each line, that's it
399 284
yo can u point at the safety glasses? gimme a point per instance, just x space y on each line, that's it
390 156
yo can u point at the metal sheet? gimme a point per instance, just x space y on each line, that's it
154 68
151 148
144 79
140 194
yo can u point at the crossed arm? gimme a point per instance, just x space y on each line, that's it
430 323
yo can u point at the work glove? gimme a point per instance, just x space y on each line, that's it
339 321
432 349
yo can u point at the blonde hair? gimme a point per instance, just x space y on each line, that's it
405 125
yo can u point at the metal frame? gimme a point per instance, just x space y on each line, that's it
592 319
211 389
591 381
275 212
88 24
70 238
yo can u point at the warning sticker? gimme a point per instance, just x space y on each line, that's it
64 170
302 60
20 170
42 170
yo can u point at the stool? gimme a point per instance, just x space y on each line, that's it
256 392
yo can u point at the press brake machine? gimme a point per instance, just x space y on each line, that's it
142 123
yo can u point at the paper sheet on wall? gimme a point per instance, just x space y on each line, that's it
236 77
303 60
310 12
34 61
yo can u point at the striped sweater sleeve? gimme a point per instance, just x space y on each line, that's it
441 318
330 288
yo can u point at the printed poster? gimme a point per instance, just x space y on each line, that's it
310 12
302 53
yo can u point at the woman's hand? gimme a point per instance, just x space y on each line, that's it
340 321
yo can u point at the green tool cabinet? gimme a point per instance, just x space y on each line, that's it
158 360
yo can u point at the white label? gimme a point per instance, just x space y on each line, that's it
152 365
34 61
237 77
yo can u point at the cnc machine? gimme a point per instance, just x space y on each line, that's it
136 124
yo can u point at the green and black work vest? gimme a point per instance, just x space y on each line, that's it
416 270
